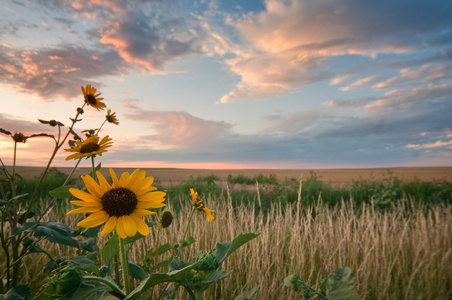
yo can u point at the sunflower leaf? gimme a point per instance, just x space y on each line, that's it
226 249
136 271
16 293
52 231
62 192
156 278
5 131
110 249
247 294
162 249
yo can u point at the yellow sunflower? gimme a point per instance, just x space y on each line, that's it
121 205
91 98
90 147
199 205
111 118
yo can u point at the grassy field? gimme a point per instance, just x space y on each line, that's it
392 227
335 177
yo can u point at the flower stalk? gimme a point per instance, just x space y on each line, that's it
124 265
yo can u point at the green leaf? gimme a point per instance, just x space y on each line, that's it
156 278
43 121
162 249
88 244
136 271
226 249
52 231
131 239
247 294
18 292
110 249
213 276
5 131
62 192
83 260
341 281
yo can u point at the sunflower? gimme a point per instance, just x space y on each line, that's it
90 147
111 118
199 205
121 205
91 98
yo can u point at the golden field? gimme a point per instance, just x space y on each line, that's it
335 177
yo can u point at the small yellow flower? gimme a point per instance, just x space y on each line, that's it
121 205
199 205
91 98
90 147
111 118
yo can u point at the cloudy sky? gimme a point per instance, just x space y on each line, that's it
233 84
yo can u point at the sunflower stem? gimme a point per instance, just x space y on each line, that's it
188 224
94 168
125 270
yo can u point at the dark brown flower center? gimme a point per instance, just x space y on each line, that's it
88 148
91 99
167 219
119 202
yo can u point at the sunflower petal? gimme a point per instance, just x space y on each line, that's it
114 179
142 227
152 197
129 225
109 225
138 212
120 229
92 186
85 203
104 185
84 210
94 219
150 205
83 195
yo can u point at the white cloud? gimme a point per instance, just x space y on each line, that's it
358 83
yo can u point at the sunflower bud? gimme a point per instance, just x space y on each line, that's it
66 281
166 219
19 137
206 261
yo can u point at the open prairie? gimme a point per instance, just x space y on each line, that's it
335 177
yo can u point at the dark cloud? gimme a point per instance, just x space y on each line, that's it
52 73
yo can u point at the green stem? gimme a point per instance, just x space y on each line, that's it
125 271
93 167
188 224
54 199
98 130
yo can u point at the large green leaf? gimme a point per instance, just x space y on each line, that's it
341 281
160 250
110 249
136 271
156 278
17 293
226 249
62 192
247 294
52 231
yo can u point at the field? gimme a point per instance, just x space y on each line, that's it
392 227
335 177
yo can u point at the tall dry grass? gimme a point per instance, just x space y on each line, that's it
404 253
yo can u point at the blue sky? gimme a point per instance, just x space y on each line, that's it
234 84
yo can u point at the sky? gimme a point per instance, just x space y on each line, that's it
227 84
